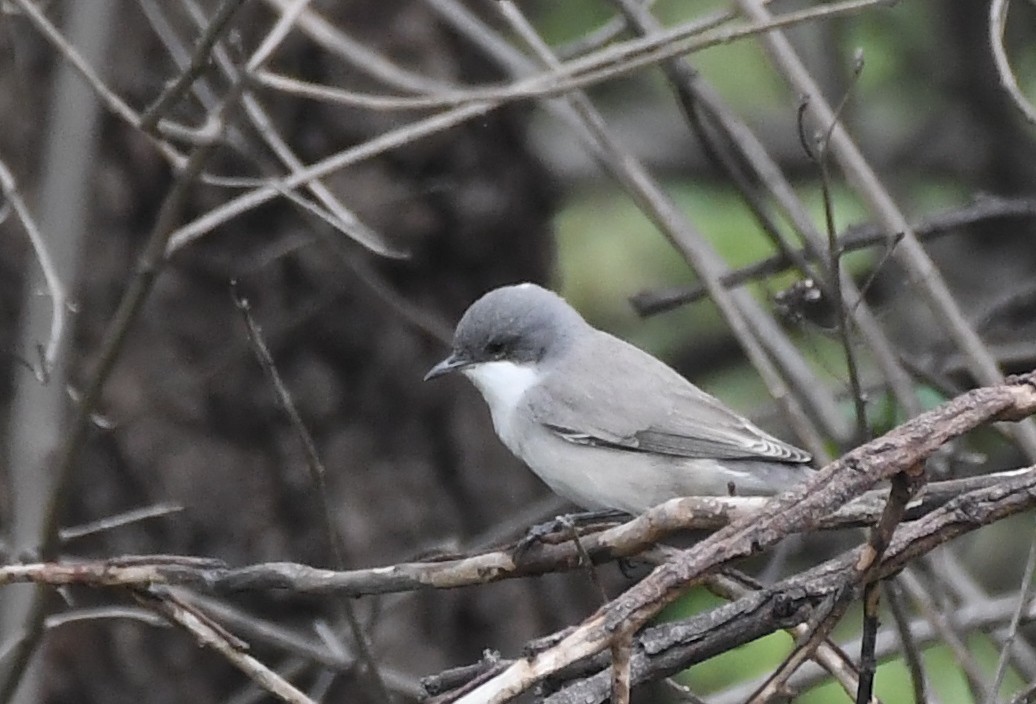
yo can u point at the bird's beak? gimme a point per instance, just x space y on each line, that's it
450 364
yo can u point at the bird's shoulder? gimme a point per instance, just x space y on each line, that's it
634 401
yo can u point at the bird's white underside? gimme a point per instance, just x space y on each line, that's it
502 384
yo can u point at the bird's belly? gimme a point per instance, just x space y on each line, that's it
596 477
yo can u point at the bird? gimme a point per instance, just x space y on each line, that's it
603 423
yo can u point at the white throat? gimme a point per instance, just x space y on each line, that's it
503 384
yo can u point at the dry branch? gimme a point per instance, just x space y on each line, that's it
210 635
627 539
795 510
666 649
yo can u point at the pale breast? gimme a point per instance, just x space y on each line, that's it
503 384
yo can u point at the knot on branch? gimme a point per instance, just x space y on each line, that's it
790 607
852 463
970 510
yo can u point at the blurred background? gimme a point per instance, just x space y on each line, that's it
524 191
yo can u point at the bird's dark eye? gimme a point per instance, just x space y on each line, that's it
495 348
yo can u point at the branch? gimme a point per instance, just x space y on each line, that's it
997 27
625 540
664 650
209 635
792 511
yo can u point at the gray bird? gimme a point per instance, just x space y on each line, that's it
603 423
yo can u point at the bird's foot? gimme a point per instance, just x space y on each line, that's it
566 527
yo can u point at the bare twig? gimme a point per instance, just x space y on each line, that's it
340 218
835 278
833 608
359 56
907 642
199 59
674 647
380 144
118 520
965 590
108 97
828 655
997 26
611 62
972 618
470 106
338 657
1024 592
904 485
704 104
210 636
949 634
55 288
317 474
621 651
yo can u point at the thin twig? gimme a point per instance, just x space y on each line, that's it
337 658
210 636
965 590
835 278
609 63
903 487
108 97
828 655
732 145
907 642
119 520
674 647
973 673
317 474
1024 591
997 27
470 108
199 60
74 441
55 288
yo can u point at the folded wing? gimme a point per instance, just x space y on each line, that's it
635 402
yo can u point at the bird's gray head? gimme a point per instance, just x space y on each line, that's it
524 324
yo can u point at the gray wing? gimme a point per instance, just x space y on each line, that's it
634 402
